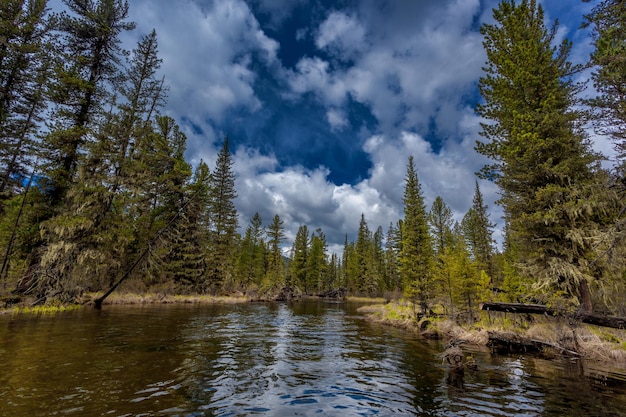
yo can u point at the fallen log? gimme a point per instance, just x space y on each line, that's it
505 342
519 308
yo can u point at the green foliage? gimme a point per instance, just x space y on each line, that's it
223 226
608 21
416 254
275 263
543 163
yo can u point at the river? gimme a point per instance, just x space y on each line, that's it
305 359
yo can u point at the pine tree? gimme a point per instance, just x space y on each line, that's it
250 266
86 75
464 283
275 262
363 252
608 21
440 219
300 276
317 262
393 281
478 232
24 74
223 236
416 255
543 163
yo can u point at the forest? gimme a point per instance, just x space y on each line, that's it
94 185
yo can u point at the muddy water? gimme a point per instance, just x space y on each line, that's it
270 359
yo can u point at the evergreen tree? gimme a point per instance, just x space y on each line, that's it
300 253
363 252
464 282
223 237
378 262
543 163
317 262
250 266
24 73
86 74
478 232
416 254
608 21
275 262
393 281
440 219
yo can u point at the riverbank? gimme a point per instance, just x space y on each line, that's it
547 336
88 300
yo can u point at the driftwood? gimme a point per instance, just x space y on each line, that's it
339 293
505 342
518 308
288 294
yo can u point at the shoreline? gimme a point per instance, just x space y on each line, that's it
549 337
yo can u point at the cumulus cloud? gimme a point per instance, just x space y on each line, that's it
407 75
342 35
303 196
206 54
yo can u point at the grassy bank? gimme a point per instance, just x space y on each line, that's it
87 300
553 336
160 298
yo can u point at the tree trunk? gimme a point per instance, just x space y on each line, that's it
595 319
584 297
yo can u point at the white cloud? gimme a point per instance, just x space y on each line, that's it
405 76
300 196
206 54
342 34
336 119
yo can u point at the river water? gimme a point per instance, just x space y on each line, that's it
304 359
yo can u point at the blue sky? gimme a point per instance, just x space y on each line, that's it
324 101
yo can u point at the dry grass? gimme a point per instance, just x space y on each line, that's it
591 342
159 298
394 314
367 300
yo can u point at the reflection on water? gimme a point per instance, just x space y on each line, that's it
269 359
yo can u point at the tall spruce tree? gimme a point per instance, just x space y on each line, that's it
440 219
223 231
478 233
250 266
300 276
275 262
543 163
86 74
608 22
317 262
24 73
416 254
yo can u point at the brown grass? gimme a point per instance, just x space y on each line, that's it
160 298
589 341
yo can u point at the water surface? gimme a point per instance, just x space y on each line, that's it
302 359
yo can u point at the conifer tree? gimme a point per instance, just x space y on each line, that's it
317 262
223 236
416 254
86 74
299 271
250 266
393 281
608 22
478 232
440 219
363 252
275 262
543 163
24 73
